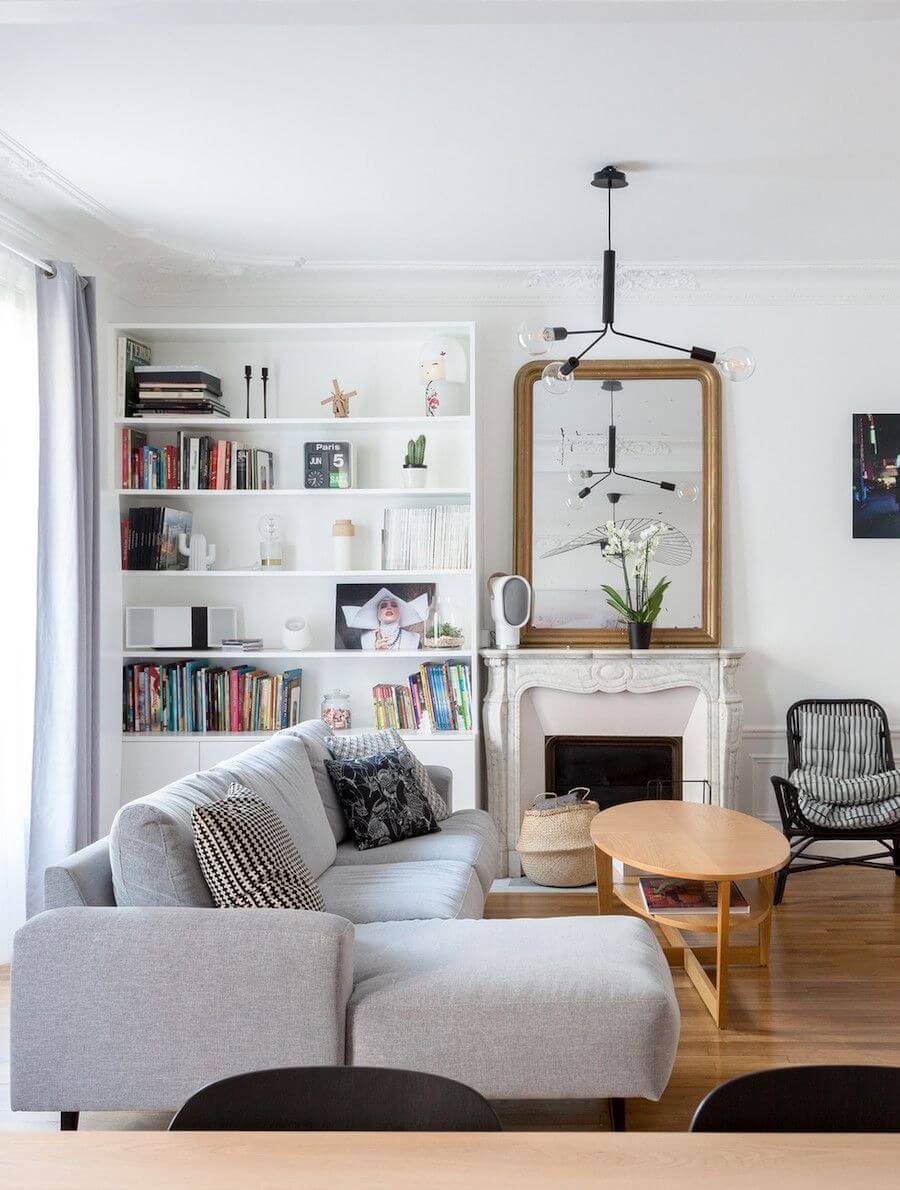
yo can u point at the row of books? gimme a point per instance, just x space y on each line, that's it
432 538
149 538
194 463
194 696
173 390
442 690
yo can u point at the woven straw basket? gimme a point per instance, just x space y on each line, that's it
555 840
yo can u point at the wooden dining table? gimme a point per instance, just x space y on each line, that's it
441 1161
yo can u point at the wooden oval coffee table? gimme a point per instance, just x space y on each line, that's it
694 842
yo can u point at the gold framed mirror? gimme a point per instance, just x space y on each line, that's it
665 448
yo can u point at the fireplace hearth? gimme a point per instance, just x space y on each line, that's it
616 769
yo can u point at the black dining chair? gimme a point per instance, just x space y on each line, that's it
805 1099
336 1099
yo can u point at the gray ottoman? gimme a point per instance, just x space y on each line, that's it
532 1008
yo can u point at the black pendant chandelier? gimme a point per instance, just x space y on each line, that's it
736 363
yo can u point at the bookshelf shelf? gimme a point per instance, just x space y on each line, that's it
341 575
151 655
219 424
380 361
251 737
320 493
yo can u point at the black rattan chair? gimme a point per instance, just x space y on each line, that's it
805 1099
336 1099
801 833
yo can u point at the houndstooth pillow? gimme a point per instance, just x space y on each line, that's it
373 743
247 857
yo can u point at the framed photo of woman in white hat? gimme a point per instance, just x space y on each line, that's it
378 619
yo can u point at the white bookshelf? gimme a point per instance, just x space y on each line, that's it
381 362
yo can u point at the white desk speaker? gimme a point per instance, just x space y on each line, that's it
179 627
510 607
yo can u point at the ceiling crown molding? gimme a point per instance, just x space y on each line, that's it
147 269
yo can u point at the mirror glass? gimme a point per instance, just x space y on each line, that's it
660 436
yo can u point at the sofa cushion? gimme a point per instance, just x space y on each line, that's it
279 772
248 859
388 739
152 842
382 798
468 835
570 1007
399 892
317 737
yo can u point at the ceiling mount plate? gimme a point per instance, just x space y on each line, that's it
609 178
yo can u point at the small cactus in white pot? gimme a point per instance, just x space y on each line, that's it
415 470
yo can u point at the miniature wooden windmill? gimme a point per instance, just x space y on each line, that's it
340 401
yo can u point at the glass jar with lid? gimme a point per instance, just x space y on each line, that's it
336 710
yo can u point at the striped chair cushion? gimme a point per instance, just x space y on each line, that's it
840 745
841 778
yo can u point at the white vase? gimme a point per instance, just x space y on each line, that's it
296 635
415 477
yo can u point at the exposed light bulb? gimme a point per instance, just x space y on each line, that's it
535 340
577 478
556 380
737 363
687 492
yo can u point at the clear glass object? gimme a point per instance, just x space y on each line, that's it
736 362
336 710
443 629
687 492
556 380
271 547
535 340
577 477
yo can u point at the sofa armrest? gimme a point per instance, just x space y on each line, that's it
117 1009
85 878
443 782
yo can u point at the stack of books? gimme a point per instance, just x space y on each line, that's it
193 696
241 644
442 690
176 390
200 463
434 538
150 538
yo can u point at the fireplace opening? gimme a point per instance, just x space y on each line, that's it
616 769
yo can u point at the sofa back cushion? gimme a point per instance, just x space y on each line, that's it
280 773
152 841
318 738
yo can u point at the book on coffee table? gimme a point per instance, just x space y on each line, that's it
664 894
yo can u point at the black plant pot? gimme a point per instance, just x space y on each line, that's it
639 635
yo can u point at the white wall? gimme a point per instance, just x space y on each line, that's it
814 609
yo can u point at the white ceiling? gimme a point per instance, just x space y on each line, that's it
767 134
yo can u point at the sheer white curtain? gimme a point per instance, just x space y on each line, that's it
18 501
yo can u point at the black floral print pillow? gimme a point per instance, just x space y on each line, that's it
382 799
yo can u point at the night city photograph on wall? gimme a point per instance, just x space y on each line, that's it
876 493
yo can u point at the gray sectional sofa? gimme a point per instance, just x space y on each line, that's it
131 991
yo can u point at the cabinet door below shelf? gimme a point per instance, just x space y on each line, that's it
148 765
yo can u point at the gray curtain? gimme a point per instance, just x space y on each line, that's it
64 772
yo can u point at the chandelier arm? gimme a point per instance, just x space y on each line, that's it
657 483
706 354
594 343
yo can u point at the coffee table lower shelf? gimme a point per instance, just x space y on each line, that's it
695 959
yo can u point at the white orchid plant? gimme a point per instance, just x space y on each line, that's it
639 604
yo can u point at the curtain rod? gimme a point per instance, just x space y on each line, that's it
44 265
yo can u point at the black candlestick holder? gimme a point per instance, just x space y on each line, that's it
265 380
248 372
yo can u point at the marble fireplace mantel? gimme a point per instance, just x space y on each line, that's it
514 673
